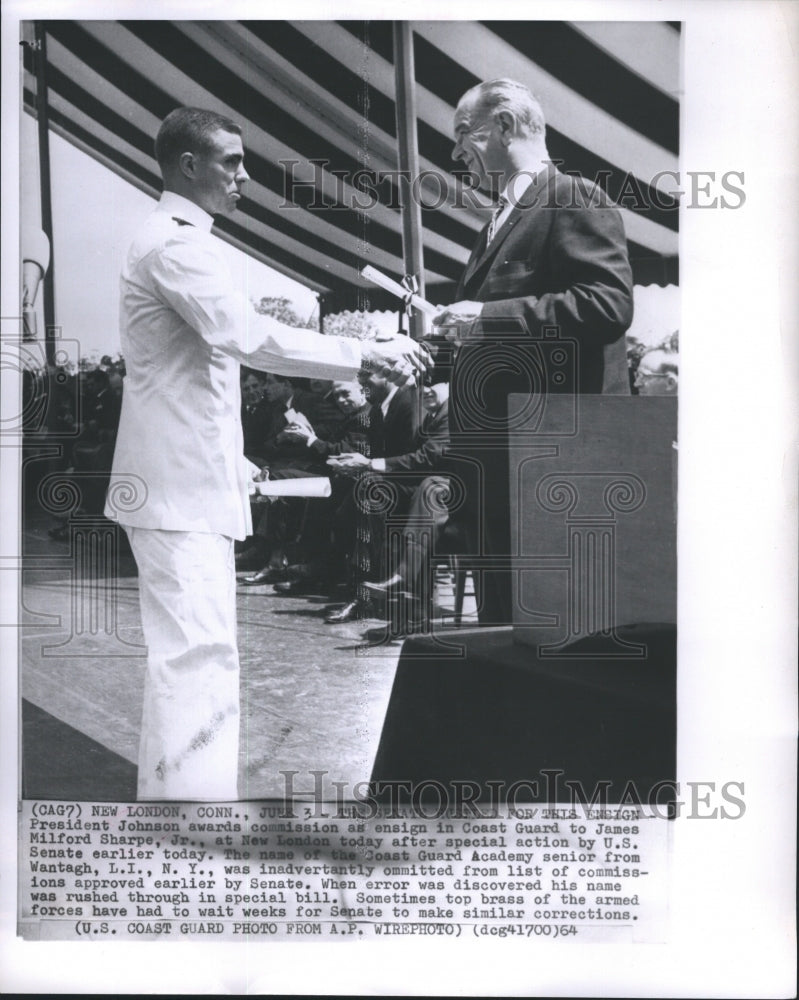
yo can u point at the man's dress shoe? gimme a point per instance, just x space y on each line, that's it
349 613
266 575
250 558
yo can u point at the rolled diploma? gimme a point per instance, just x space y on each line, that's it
378 278
305 486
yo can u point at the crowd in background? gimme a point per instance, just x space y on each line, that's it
654 370
77 406
380 446
382 449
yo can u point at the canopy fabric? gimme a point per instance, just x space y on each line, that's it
316 102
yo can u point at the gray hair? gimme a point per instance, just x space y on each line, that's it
494 96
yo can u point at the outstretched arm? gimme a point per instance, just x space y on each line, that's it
186 275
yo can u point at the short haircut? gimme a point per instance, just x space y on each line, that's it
189 130
494 96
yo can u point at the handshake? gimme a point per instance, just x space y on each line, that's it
397 358
402 360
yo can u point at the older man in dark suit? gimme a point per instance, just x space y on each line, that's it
309 523
421 496
542 307
394 419
402 454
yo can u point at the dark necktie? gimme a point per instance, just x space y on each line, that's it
181 222
492 225
376 432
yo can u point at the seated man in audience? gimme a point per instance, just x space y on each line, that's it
350 433
404 474
395 416
657 373
426 500
285 520
279 454
393 429
319 406
255 410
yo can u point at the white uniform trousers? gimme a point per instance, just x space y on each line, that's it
190 720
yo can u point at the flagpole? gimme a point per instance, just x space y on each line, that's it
43 123
408 155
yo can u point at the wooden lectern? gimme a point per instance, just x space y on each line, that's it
582 687
594 526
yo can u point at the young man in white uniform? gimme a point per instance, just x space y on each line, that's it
184 331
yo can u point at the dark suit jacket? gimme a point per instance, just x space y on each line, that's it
325 417
277 453
432 441
349 436
397 432
559 260
256 424
557 287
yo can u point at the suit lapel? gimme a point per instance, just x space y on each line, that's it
477 255
432 422
528 203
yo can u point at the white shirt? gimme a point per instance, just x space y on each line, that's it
392 392
184 329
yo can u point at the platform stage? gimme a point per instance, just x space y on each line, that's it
496 715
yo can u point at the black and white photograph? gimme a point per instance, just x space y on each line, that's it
491 485
372 565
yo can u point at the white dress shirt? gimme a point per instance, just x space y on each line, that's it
185 328
392 392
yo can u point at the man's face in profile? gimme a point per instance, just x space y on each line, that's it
477 145
220 174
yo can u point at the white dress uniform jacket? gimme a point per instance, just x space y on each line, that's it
184 330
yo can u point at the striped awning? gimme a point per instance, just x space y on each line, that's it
316 101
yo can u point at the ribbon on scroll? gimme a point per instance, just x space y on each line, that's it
389 285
